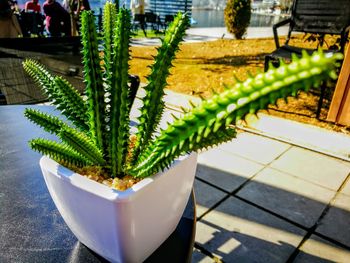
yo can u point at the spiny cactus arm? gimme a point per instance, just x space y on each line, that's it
224 134
75 139
40 75
153 105
232 105
166 158
48 122
82 144
93 78
119 102
108 24
60 92
72 105
59 152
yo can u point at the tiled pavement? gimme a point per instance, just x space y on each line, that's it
262 200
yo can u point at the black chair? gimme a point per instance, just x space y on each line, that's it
168 19
321 17
139 21
153 21
134 84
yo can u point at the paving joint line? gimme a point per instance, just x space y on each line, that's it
250 159
213 185
312 230
229 194
286 150
272 213
307 236
346 180
214 206
207 252
301 178
331 240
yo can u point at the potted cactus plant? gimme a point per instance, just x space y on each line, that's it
158 166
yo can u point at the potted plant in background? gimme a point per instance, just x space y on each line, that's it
155 168
237 17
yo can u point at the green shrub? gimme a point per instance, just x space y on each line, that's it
237 17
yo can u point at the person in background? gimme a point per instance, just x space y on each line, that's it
32 21
57 19
85 5
9 26
32 6
76 5
74 8
15 7
137 7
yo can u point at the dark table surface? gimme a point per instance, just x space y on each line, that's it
31 228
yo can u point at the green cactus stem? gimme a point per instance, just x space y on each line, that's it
40 75
71 104
59 152
48 122
63 95
120 106
82 144
109 24
93 79
153 105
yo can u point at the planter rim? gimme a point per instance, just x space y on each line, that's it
96 188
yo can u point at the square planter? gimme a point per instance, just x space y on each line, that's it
121 226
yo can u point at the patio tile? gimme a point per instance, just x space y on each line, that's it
206 196
336 223
225 170
314 167
305 135
316 249
286 195
198 257
238 232
256 148
224 180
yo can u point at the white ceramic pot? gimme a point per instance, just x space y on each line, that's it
121 226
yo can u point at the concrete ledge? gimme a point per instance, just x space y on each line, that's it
304 135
